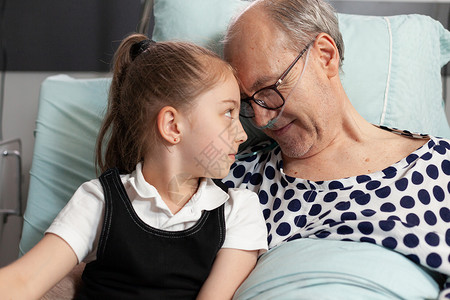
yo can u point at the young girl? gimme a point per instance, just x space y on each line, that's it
154 226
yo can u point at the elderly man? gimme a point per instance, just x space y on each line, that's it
332 175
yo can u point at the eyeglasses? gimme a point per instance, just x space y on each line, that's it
268 97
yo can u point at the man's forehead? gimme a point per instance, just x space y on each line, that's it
257 67
256 50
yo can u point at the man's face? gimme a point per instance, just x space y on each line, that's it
261 53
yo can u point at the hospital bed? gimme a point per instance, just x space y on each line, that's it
392 75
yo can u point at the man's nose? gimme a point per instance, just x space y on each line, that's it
262 116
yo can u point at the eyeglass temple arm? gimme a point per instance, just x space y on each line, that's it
292 65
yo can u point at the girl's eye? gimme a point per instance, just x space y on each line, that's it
228 113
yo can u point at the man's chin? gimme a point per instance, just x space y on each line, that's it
292 148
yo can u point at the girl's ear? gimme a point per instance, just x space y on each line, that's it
168 125
328 54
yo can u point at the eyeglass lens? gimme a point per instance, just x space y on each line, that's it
267 98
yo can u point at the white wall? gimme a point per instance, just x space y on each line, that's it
22 92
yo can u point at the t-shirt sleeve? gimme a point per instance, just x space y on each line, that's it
78 222
245 224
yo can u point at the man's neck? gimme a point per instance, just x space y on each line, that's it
372 149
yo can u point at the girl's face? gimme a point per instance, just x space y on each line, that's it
214 131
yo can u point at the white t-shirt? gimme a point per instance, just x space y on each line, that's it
80 222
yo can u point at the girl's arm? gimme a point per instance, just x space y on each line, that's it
67 288
38 270
230 269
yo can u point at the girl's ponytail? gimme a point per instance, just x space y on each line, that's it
123 57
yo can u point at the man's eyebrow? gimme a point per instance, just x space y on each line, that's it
262 82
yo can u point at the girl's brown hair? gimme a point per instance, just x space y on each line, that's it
163 74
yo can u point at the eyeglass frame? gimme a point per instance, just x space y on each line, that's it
274 86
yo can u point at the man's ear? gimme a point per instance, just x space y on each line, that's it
168 124
328 54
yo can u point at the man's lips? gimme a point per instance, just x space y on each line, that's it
281 130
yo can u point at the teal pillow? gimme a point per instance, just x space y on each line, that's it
69 118
392 70
392 65
200 21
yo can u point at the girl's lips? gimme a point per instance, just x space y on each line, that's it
232 156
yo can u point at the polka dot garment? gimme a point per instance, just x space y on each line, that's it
404 207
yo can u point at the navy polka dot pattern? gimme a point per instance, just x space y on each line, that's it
404 207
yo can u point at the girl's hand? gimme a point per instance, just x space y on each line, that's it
230 269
